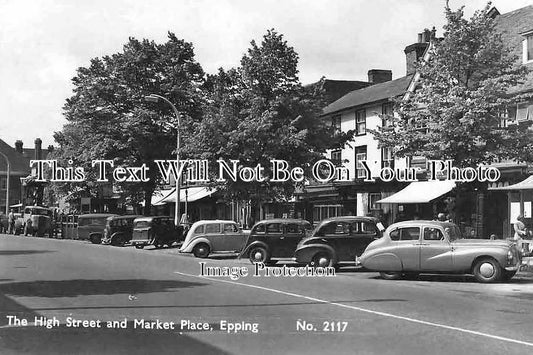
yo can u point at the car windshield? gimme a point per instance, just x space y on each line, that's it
453 232
40 212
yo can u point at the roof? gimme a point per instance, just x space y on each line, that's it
282 220
511 25
423 221
96 215
210 221
18 162
377 92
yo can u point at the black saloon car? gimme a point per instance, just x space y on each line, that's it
118 230
337 240
274 239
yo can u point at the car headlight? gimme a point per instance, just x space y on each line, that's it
510 257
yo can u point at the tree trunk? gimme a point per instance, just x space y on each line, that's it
148 192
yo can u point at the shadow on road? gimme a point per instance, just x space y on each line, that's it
73 288
63 340
23 252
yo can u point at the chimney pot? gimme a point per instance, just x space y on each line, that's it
376 76
38 152
18 146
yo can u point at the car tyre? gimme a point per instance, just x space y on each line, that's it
139 246
95 238
322 259
201 250
390 275
258 255
118 241
487 270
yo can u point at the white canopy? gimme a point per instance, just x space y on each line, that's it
420 192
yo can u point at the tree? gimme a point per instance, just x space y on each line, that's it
260 111
456 109
109 119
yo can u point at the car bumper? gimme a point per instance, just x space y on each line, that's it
514 267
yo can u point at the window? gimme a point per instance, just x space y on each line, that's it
528 47
260 229
230 228
387 159
372 199
336 122
386 110
212 228
336 157
366 228
433 234
360 122
273 228
321 212
3 183
199 230
410 233
292 228
360 155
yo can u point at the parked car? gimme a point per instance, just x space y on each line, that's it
35 220
338 239
213 236
118 230
158 231
274 239
91 226
438 247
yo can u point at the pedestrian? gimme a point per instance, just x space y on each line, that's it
11 222
520 232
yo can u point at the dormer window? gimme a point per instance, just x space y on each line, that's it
527 46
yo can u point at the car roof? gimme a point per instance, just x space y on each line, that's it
150 218
95 215
209 221
351 218
283 220
422 222
132 216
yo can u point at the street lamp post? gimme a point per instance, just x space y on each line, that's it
156 98
7 182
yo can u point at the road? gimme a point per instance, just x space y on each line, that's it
140 290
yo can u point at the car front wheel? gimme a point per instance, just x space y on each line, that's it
322 259
487 270
258 255
201 250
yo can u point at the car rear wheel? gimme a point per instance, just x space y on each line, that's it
322 259
139 246
95 238
118 241
390 275
487 270
201 250
258 255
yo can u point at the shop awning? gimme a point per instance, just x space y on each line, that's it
420 192
189 194
160 195
527 184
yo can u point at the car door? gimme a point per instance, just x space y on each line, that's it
214 235
406 246
341 238
233 238
276 239
362 233
292 234
435 250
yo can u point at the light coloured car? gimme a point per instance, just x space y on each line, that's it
414 247
213 236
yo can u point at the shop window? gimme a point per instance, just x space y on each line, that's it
372 201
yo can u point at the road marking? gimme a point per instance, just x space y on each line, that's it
384 314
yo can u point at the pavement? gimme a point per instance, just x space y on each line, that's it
134 293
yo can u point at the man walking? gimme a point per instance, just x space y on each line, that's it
11 222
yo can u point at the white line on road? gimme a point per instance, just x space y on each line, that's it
384 314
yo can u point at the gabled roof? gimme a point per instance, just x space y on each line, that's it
18 162
377 92
511 25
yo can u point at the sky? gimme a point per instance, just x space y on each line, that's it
42 43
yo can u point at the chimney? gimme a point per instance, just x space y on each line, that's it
18 146
50 148
376 76
38 152
415 51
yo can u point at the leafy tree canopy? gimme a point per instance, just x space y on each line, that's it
463 91
260 111
108 117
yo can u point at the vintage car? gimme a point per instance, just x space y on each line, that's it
413 247
213 236
274 239
338 239
118 230
91 226
156 230
35 220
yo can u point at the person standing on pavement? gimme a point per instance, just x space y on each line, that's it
11 222
520 232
